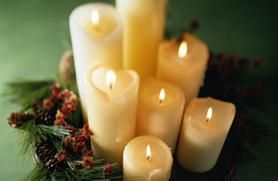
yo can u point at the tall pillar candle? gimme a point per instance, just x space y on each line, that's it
183 64
206 124
143 25
147 158
160 111
112 102
96 35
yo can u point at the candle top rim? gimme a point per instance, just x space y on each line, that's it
84 12
150 90
138 145
132 75
196 48
217 121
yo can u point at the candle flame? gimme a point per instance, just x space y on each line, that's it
162 95
110 78
209 114
95 17
183 49
148 152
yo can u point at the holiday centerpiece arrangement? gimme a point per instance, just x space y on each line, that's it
133 112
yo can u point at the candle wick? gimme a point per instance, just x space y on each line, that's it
149 158
111 86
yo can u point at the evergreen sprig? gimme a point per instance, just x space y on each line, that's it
55 157
34 133
39 173
25 93
96 173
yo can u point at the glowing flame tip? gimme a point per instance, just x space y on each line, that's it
148 152
209 114
183 49
110 78
162 95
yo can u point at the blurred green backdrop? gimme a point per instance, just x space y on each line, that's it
34 34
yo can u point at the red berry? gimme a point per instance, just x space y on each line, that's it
108 169
88 162
47 103
86 132
65 111
59 115
79 143
68 140
61 155
65 94
60 119
56 89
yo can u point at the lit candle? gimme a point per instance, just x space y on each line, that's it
96 34
112 102
144 24
183 64
205 127
147 158
160 111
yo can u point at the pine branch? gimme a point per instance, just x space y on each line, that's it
33 134
95 173
39 173
26 93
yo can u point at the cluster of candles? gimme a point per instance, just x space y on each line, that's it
139 126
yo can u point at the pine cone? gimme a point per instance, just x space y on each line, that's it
47 156
43 115
16 120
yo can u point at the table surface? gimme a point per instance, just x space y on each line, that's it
34 34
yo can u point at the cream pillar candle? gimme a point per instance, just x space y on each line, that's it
111 98
160 111
147 158
144 24
183 64
205 127
96 35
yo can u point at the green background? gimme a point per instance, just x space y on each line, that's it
34 34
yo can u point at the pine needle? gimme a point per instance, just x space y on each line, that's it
39 173
33 134
26 93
